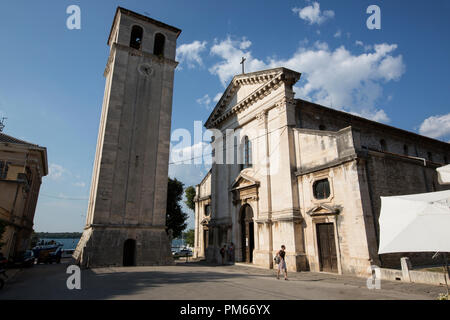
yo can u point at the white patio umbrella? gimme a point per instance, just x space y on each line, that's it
444 174
415 223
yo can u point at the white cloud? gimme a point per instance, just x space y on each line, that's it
338 34
205 101
190 53
231 52
217 97
55 171
361 44
192 154
80 184
436 126
336 78
312 14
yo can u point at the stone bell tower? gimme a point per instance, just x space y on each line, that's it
125 223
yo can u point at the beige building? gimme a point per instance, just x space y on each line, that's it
305 176
126 218
22 166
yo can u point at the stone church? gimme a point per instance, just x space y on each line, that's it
304 176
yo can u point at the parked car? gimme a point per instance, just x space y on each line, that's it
67 253
42 252
24 259
54 256
183 253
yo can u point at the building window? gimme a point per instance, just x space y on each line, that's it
3 170
383 145
158 48
247 153
322 127
405 150
430 156
136 37
207 210
321 189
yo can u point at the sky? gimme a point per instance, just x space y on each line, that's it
52 84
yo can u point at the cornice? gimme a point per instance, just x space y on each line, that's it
272 82
245 103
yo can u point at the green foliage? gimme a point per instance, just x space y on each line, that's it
175 217
189 237
57 235
443 296
190 195
2 231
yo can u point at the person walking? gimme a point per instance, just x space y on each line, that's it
222 253
231 252
280 258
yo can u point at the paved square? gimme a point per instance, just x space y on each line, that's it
197 281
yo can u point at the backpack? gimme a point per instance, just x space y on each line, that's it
277 259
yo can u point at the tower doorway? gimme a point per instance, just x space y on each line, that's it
129 253
247 233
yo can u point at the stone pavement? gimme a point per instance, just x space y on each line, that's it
198 281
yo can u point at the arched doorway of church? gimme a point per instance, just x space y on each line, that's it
247 233
129 252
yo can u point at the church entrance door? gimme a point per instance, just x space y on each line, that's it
327 247
129 252
247 233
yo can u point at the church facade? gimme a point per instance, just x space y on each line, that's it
290 172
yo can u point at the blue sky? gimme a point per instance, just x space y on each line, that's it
52 85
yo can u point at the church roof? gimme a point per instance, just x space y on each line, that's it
267 78
141 17
8 139
353 120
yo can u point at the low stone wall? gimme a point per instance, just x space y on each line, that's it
407 275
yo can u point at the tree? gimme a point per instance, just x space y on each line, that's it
190 195
189 237
175 217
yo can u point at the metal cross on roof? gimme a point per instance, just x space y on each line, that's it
242 62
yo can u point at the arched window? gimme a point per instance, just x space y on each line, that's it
247 152
158 48
321 189
383 145
136 37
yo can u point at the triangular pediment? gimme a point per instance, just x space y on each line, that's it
247 88
243 181
324 210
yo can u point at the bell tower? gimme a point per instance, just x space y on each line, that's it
126 217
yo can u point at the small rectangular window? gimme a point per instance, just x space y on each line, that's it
321 189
